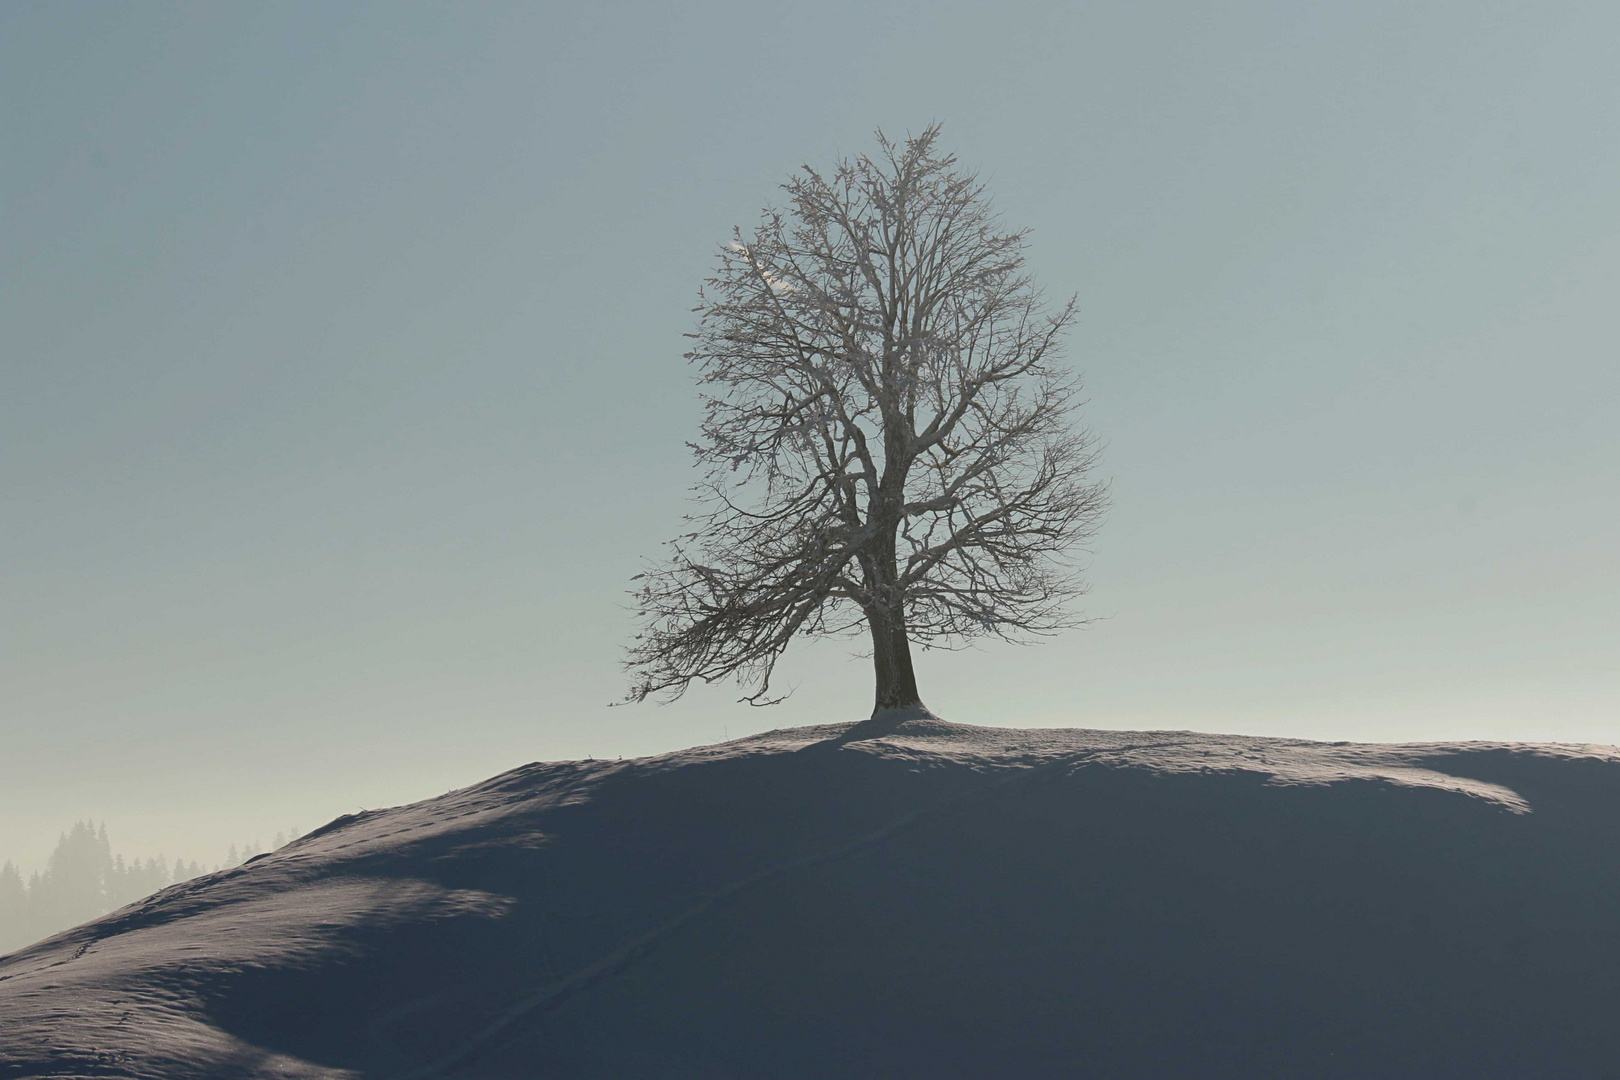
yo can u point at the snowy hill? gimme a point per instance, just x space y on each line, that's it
940 901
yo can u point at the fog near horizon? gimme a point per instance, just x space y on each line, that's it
341 390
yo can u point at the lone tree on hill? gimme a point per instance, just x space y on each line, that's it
888 437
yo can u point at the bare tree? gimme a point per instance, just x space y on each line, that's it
888 437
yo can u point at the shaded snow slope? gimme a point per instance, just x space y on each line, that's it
939 901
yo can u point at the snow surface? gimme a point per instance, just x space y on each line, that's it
905 897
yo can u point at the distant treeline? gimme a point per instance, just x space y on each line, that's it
84 879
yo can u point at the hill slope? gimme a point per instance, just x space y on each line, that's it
941 901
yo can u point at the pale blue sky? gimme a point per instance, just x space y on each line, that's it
341 387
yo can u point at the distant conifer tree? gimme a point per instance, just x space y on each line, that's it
13 909
83 880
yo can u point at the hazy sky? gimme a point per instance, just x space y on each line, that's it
341 387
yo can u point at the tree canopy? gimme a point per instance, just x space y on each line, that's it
888 443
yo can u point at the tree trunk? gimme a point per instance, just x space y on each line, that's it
891 656
891 649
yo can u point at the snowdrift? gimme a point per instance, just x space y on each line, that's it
933 900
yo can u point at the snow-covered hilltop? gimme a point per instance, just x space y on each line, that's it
939 901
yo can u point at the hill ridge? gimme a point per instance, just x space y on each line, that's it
508 920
